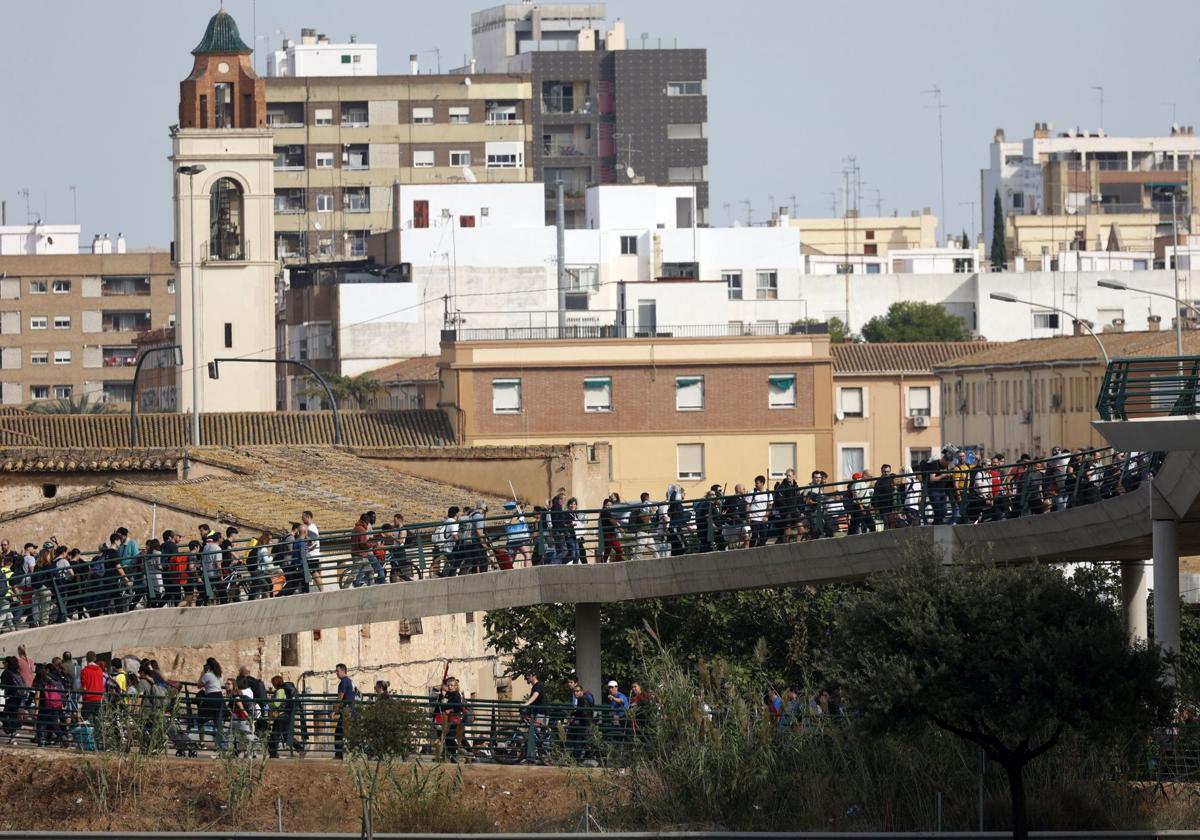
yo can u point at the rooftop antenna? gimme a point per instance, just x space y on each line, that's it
1100 88
629 150
792 201
728 213
749 213
24 193
74 205
936 93
437 54
878 202
1171 105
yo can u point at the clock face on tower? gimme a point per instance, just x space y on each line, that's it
222 67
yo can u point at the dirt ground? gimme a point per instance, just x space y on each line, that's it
63 790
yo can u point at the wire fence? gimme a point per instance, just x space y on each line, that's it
208 570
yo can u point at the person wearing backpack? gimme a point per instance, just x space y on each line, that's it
91 681
14 689
50 703
445 544
261 699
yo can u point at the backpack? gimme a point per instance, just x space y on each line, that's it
112 691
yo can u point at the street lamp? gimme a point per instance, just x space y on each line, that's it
1007 298
137 371
1122 287
191 172
214 372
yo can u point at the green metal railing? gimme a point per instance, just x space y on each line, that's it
1149 387
180 720
79 586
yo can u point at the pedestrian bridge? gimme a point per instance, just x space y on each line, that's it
1116 529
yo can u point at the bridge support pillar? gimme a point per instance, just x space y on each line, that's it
587 647
1133 599
1166 583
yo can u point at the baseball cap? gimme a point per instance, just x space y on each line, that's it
612 684
857 476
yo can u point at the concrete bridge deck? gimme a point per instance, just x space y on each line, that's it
1112 530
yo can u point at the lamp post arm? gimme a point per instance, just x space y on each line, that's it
337 417
137 371
1085 325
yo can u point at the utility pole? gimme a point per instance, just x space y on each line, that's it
561 241
936 93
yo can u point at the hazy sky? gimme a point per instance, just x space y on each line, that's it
87 89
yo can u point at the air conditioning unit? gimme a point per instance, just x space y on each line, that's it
920 421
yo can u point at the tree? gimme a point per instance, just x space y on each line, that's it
794 621
914 320
966 240
838 330
378 735
69 405
999 245
1007 658
357 389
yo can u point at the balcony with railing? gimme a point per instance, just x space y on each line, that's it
289 202
119 356
285 114
124 321
120 286
357 200
762 329
567 98
357 156
289 158
355 115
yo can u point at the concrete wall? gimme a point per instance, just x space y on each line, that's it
411 664
88 522
885 433
19 490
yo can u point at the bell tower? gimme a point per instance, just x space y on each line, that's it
222 164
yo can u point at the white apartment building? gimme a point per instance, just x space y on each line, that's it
37 238
1016 169
482 262
315 55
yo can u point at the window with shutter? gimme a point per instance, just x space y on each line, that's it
506 396
689 393
597 394
691 460
781 389
781 457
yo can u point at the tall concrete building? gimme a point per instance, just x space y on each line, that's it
606 109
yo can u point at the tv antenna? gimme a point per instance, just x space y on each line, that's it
629 150
1100 90
749 213
936 93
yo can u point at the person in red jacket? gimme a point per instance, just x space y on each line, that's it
91 679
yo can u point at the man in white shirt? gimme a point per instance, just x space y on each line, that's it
313 535
758 503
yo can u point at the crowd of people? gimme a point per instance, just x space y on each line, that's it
93 703
52 582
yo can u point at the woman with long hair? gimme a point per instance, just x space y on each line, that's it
210 702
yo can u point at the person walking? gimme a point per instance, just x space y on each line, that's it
346 696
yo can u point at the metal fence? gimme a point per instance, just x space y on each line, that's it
66 586
176 718
1149 387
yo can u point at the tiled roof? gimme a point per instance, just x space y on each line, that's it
909 357
280 482
1081 348
89 460
297 428
221 36
416 369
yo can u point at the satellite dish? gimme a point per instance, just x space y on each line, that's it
629 173
468 175
317 225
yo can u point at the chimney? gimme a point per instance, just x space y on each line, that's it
1077 327
308 36
322 38
120 243
413 67
1154 323
1117 325
998 137
472 67
97 245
